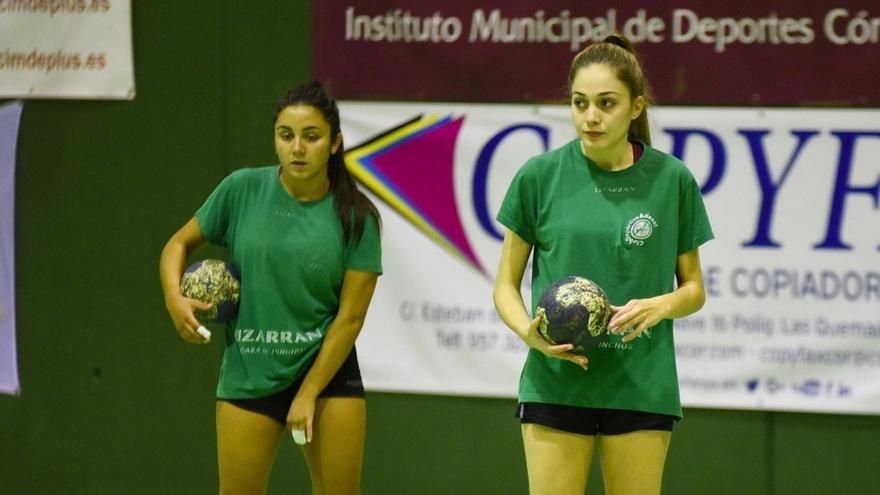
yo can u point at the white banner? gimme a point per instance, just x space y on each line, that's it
66 49
792 319
10 115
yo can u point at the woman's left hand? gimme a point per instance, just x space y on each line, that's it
301 415
636 316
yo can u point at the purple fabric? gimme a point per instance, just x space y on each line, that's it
10 115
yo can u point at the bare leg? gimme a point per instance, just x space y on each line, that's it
632 463
246 447
335 455
558 462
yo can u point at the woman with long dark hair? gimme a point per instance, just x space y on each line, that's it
306 242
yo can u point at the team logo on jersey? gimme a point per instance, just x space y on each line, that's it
639 229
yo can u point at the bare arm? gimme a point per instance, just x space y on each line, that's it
509 302
171 266
686 299
354 299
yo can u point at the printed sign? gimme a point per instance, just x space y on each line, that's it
792 319
721 53
66 49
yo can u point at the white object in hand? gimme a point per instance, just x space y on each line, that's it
299 436
204 332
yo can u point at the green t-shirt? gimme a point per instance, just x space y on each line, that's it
292 261
623 230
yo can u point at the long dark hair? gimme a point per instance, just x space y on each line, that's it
352 206
618 53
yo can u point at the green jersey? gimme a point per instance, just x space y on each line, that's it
624 230
292 260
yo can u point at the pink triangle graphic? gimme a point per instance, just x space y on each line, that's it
421 169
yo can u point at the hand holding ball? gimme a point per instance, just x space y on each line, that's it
574 310
216 282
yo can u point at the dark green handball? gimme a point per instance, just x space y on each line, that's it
574 310
213 281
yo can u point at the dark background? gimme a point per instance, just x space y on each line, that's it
113 402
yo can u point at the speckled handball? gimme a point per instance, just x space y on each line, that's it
574 310
216 282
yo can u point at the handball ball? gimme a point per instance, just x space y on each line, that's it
216 282
574 310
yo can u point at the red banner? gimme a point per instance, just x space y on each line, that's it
713 53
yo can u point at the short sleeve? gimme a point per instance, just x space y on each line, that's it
694 227
365 254
518 211
215 214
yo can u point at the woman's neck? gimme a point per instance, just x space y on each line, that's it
614 159
305 190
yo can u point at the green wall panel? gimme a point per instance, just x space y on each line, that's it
719 452
269 51
825 454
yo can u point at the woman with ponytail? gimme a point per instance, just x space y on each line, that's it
306 242
608 207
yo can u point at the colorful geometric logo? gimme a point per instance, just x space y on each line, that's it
411 168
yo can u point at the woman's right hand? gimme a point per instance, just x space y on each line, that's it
182 311
534 340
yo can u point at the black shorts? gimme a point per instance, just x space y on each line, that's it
345 383
590 421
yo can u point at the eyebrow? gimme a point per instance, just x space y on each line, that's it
288 128
578 93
